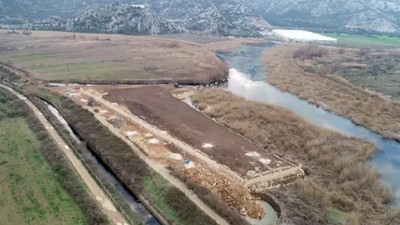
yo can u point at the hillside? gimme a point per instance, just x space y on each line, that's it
114 18
231 17
122 18
220 17
225 18
335 15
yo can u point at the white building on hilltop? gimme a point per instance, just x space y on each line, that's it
302 36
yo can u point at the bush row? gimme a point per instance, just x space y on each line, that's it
82 153
56 159
128 167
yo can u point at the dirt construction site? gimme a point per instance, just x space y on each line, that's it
186 142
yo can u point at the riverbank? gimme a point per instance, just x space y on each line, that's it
332 93
338 189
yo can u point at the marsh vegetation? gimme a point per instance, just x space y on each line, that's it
319 86
339 188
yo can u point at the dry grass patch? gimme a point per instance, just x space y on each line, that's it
58 56
337 176
316 84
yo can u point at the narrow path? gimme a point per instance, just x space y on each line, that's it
153 164
107 206
277 175
182 145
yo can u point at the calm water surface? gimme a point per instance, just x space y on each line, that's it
247 79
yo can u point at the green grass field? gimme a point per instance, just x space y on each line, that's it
29 191
359 41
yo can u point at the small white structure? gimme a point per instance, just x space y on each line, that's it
138 6
302 36
208 146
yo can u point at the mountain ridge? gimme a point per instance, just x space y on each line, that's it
232 17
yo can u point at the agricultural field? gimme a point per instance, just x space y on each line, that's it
169 132
62 57
129 167
358 41
29 190
168 113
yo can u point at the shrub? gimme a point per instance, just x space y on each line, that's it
27 32
12 32
364 51
91 102
309 52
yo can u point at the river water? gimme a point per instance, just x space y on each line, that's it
247 79
129 199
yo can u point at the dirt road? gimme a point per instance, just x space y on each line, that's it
107 206
182 145
158 107
153 164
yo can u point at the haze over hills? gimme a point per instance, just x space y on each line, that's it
221 17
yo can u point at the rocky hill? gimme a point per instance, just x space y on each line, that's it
219 17
231 17
122 18
363 15
114 18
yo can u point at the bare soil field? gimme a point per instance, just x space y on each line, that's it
158 107
58 56
339 187
210 181
214 43
295 73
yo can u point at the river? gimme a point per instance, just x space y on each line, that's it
136 207
247 79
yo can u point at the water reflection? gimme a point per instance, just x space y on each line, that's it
270 217
247 79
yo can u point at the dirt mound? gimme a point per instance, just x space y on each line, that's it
235 195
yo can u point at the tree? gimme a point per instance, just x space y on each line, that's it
91 101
